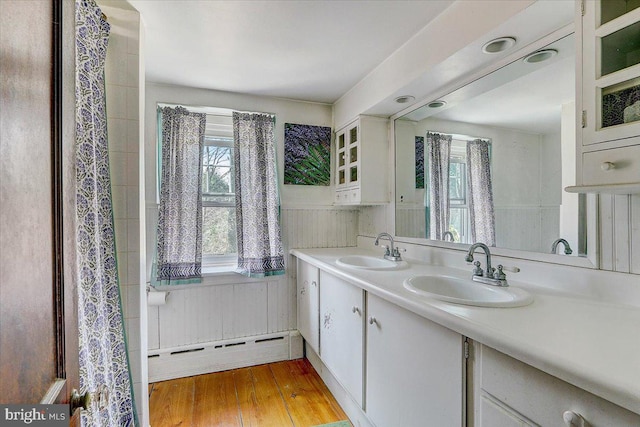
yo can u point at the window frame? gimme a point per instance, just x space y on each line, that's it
219 263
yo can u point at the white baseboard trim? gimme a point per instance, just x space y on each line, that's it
351 407
204 358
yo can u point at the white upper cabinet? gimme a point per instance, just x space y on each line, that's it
609 155
362 164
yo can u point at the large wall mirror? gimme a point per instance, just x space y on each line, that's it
489 161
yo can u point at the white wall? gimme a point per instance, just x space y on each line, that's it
123 75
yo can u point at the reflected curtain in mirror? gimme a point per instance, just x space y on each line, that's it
439 147
481 209
179 247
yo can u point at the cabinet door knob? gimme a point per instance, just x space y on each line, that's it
607 166
573 419
314 283
355 309
372 320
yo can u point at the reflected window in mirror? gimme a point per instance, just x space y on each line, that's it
527 111
463 221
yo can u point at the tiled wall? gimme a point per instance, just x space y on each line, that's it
123 126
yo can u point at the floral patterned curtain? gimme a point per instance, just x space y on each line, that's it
103 355
439 152
179 255
260 250
481 209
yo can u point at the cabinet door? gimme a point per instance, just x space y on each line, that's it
510 391
308 304
341 159
414 369
353 153
610 71
341 332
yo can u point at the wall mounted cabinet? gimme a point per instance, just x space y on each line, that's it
608 151
361 161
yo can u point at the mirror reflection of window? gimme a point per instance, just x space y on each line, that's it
459 227
527 110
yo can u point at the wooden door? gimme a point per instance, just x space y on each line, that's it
38 304
414 369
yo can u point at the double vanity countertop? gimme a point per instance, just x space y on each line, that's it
591 344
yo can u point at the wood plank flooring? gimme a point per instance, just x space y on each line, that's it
282 394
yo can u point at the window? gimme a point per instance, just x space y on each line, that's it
219 241
459 221
458 208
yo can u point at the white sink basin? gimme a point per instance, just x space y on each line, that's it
467 292
369 262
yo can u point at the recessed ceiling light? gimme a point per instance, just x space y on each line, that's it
436 104
404 99
499 45
539 56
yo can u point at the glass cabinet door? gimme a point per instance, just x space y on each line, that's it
611 70
341 159
354 147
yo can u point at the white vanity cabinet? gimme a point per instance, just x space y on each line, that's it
609 152
362 151
308 298
510 393
342 332
415 369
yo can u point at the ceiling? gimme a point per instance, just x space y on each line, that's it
303 50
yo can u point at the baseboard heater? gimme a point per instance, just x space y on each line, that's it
203 358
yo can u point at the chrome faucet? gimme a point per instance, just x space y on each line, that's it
491 276
391 253
448 234
567 248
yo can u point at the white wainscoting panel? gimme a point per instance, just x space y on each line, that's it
225 310
519 228
319 228
635 234
410 221
619 233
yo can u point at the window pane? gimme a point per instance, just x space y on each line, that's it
219 231
457 183
217 163
457 221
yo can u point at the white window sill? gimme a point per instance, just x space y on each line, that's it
220 275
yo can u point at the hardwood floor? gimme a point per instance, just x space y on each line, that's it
281 394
